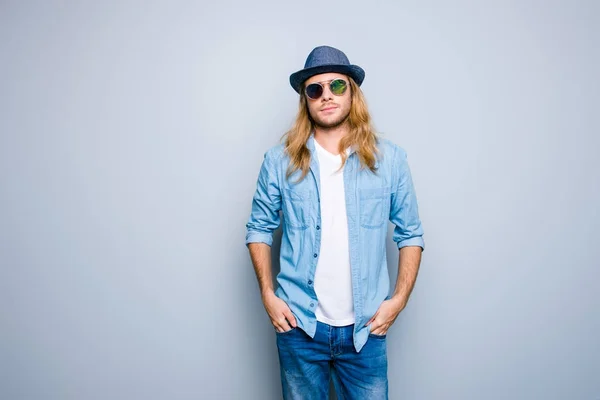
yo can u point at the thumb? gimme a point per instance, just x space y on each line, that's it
290 317
372 319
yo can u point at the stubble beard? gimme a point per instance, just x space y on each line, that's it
333 124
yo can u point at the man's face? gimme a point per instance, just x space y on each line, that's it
329 110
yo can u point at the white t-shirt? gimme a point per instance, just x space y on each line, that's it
333 279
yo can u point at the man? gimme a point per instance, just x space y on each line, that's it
337 184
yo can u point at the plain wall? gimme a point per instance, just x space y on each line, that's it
131 135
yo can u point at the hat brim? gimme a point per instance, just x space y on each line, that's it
353 71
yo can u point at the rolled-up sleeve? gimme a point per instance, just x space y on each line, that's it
266 204
404 210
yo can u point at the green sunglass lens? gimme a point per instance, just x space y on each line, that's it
338 86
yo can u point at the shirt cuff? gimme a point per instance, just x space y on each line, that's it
258 237
414 241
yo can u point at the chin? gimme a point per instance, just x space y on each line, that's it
330 124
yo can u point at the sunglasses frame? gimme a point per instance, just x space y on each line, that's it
321 83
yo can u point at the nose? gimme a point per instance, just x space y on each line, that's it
327 95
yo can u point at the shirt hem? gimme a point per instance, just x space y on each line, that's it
336 322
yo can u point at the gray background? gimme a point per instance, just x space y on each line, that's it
131 135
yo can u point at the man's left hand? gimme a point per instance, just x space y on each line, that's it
385 316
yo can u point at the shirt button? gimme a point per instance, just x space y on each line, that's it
312 304
315 255
309 282
318 227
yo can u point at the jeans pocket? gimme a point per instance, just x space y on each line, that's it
286 332
375 336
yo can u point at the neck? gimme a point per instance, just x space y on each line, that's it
329 138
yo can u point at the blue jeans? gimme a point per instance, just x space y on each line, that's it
306 364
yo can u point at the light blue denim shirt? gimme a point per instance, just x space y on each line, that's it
371 200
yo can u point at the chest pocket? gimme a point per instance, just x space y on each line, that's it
296 208
374 207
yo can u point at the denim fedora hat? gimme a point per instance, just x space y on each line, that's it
326 59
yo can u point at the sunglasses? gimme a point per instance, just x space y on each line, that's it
336 86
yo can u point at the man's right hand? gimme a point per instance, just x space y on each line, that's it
281 316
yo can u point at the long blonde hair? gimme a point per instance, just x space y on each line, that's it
362 135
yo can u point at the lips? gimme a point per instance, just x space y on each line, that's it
328 108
